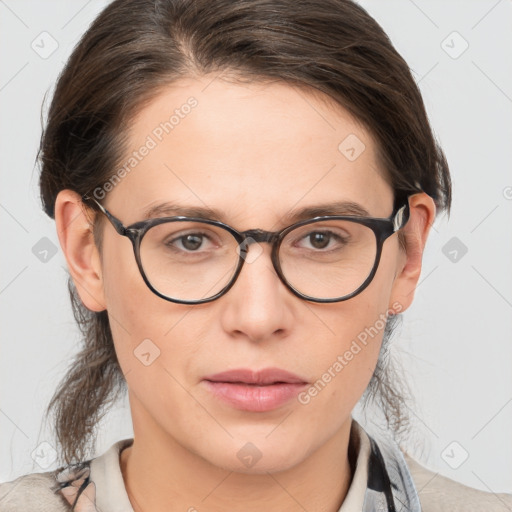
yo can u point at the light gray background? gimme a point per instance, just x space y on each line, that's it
456 340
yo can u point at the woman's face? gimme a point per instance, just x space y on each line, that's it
256 153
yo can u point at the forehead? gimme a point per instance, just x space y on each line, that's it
249 149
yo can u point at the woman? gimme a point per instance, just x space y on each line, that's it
243 192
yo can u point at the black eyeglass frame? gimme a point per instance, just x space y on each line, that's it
382 228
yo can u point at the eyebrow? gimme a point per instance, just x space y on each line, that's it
170 209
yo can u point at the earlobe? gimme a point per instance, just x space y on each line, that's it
422 216
74 229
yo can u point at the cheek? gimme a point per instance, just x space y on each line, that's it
156 353
347 356
148 331
346 360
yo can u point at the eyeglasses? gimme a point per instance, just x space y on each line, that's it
191 260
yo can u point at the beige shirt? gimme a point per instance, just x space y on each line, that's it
437 493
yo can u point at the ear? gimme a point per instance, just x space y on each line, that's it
75 232
422 216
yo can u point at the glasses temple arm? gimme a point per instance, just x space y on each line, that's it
118 225
401 217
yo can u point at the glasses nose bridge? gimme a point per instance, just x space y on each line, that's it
252 236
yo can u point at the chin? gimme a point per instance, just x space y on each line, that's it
269 464
259 456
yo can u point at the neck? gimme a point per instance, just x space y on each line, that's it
160 474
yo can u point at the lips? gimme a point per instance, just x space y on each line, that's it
255 391
261 378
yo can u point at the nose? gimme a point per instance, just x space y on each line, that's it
258 305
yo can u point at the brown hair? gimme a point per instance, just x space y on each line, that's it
134 48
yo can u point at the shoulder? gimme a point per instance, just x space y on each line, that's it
438 493
35 492
66 488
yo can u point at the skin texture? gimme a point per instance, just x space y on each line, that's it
254 151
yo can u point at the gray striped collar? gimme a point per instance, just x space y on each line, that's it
390 486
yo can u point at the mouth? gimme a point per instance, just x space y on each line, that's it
267 376
250 383
255 391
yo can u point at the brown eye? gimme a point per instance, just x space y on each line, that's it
191 242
